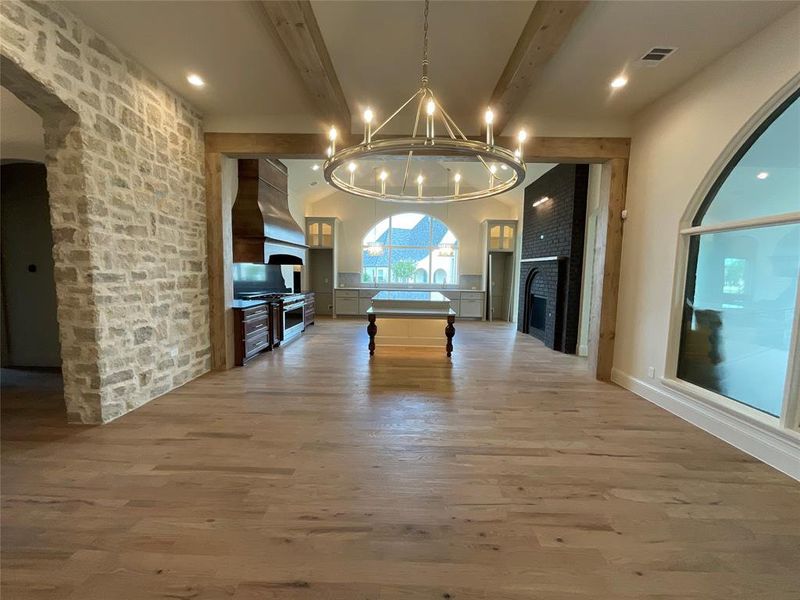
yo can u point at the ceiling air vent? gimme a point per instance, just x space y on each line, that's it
654 56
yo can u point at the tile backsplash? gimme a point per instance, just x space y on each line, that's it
465 282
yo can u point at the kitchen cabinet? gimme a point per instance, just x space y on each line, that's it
251 332
502 235
321 232
471 305
500 246
346 302
321 236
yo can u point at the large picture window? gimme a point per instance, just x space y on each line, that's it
410 248
741 289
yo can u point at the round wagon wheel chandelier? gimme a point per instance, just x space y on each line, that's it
398 169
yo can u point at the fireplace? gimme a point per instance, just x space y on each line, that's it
551 266
541 302
537 313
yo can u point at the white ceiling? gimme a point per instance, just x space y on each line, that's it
376 49
376 46
247 77
610 37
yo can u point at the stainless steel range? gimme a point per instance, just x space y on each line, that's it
293 307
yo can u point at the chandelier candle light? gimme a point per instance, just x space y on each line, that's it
341 167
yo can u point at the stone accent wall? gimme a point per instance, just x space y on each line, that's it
124 156
556 229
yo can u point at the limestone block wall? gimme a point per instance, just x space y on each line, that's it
124 156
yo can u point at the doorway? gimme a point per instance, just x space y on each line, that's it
500 304
30 349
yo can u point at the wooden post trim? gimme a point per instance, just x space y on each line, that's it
606 271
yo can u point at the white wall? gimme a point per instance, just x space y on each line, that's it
358 215
21 132
675 143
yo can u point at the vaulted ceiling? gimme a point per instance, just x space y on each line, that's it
375 50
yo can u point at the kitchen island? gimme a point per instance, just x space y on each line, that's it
411 318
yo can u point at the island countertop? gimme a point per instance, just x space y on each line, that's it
410 295
417 303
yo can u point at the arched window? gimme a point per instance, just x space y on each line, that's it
740 295
406 248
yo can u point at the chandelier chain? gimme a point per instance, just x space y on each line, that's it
425 61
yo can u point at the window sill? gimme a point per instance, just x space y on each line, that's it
734 409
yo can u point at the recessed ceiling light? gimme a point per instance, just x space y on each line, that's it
619 82
762 175
315 167
195 80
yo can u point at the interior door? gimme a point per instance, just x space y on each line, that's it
488 307
498 285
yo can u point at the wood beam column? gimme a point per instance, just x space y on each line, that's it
220 259
606 269
548 26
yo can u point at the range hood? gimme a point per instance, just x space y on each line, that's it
263 229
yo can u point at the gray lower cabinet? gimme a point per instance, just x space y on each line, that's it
471 305
471 309
346 302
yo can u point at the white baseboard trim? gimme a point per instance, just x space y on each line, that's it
778 449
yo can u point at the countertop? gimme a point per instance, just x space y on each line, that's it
247 303
384 289
411 295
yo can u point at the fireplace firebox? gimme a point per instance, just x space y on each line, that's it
537 313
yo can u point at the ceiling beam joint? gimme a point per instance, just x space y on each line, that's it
544 33
294 26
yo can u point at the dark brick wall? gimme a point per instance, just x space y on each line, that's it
555 228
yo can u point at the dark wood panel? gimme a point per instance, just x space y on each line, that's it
312 145
549 24
251 332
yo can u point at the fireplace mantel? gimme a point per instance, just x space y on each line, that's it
543 259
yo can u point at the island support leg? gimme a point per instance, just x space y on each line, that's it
372 329
449 332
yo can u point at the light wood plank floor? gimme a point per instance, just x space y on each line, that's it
317 474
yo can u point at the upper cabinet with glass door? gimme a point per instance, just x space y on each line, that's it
502 235
320 232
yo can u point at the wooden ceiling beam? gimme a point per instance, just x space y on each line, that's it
312 145
547 28
295 27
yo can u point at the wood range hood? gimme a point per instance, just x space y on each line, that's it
263 229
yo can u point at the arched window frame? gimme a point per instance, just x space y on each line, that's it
431 247
789 421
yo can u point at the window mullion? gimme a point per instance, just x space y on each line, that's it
782 219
